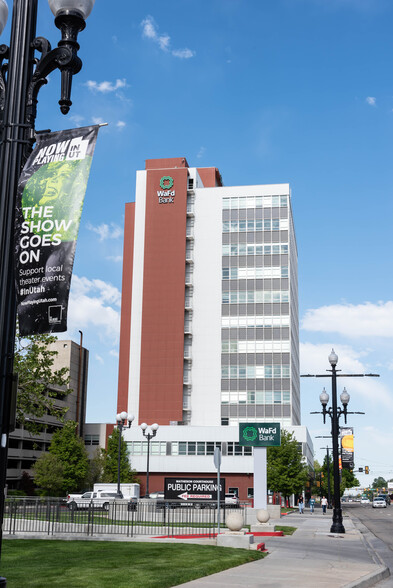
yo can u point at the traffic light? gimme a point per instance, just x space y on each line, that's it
360 469
366 470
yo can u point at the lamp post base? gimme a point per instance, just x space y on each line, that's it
337 526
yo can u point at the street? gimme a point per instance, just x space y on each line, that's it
380 523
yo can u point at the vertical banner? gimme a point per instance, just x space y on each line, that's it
347 450
49 205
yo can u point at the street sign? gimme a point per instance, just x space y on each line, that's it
217 458
193 489
260 434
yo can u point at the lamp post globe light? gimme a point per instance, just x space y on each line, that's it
334 412
149 433
22 74
121 420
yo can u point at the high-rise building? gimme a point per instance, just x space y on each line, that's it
209 322
25 447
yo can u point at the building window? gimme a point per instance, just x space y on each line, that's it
250 492
233 490
92 440
224 421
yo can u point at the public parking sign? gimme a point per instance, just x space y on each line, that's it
260 434
193 489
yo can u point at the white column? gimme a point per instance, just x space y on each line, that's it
260 485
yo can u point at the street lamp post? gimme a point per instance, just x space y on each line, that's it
121 420
335 412
22 74
149 434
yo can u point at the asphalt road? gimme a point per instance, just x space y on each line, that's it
379 521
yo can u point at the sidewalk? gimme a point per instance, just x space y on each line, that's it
311 557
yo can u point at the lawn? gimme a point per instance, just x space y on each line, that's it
104 564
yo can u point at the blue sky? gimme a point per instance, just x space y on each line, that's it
296 91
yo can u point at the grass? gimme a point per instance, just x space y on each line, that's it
285 530
104 564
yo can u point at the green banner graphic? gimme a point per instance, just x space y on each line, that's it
50 198
260 434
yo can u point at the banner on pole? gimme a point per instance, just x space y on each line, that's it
49 205
347 449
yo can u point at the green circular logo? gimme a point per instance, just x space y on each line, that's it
166 182
250 433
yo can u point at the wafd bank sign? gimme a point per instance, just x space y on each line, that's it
193 489
49 206
260 434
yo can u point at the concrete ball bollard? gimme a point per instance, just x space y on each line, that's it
262 515
234 521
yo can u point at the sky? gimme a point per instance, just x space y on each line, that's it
268 91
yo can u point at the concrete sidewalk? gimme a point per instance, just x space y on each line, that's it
311 557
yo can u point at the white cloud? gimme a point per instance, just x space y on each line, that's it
201 152
99 358
150 31
183 53
91 305
106 87
104 231
77 119
362 320
314 360
115 258
120 124
371 100
97 120
114 353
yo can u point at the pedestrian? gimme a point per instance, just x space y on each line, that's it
301 504
312 504
324 504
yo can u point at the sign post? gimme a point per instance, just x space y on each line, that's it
259 436
217 463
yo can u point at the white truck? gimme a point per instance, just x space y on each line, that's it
102 495
91 499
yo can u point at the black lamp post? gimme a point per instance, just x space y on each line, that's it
335 412
122 419
22 74
149 434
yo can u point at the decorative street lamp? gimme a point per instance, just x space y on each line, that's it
335 412
149 434
121 420
22 74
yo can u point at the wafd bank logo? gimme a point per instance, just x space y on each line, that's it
166 194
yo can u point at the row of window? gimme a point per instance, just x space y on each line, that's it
254 273
255 321
258 296
256 397
246 249
245 226
255 346
92 440
254 371
255 202
186 448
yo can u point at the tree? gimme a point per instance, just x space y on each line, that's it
286 472
379 483
49 475
127 474
96 468
39 384
71 452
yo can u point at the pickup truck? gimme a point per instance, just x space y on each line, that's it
100 499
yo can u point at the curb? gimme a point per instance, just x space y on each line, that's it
383 571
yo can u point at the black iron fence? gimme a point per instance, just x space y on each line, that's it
52 516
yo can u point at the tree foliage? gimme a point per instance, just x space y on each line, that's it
39 384
286 472
347 479
127 474
49 475
72 453
379 483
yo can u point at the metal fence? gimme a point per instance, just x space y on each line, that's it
52 517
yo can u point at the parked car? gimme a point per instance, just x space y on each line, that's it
232 500
365 500
379 502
